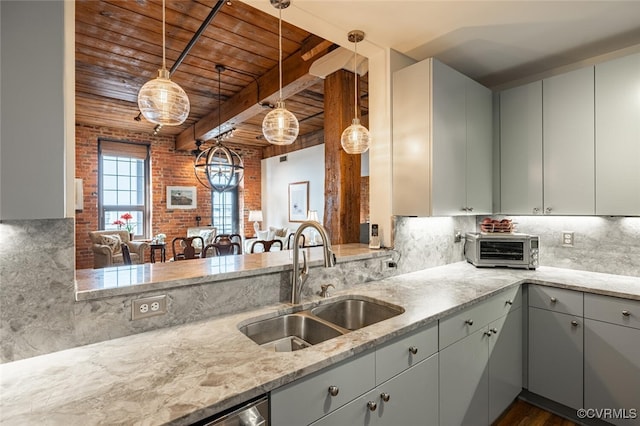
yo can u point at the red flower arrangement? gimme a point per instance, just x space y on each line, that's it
127 225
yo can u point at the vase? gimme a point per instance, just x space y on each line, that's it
130 236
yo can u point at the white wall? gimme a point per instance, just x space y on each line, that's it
303 165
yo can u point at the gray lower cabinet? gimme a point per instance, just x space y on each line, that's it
464 381
556 356
410 398
481 360
305 400
505 362
612 357
397 383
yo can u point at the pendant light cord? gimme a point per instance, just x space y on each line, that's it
164 61
355 76
280 47
219 105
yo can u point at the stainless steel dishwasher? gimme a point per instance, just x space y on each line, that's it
251 413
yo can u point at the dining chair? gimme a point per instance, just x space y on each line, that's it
188 250
290 241
266 245
126 255
222 249
229 238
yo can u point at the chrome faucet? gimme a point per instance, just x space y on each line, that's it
300 277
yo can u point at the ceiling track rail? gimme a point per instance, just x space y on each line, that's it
214 11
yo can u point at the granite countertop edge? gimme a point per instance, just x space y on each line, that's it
191 373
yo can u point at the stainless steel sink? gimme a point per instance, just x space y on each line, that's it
354 314
295 331
289 332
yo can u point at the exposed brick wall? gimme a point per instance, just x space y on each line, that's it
168 168
364 199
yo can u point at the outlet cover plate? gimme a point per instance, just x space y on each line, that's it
148 307
567 238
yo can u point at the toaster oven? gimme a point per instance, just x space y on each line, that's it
513 250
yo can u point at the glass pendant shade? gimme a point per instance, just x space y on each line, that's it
355 138
161 101
219 168
280 126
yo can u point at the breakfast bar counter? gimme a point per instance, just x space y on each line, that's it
184 373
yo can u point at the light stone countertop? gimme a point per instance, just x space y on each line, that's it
122 280
184 373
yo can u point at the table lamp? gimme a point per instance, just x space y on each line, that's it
255 216
312 215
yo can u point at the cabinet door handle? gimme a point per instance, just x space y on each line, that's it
494 330
333 390
372 406
413 350
469 322
509 302
626 313
487 333
385 396
554 300
574 323
548 210
536 210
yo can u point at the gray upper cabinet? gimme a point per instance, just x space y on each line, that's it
568 143
521 149
547 146
442 135
617 136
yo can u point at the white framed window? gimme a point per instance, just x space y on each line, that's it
123 185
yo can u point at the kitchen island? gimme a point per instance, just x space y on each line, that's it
184 373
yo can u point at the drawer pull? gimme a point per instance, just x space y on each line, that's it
574 323
413 350
372 406
509 302
469 322
626 313
554 300
385 396
333 390
494 330
487 333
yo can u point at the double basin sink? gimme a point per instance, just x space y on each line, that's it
298 330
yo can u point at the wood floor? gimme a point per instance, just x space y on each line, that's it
524 414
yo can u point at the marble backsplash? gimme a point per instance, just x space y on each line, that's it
38 313
601 243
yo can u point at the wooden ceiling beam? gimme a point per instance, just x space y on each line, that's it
312 46
247 103
306 141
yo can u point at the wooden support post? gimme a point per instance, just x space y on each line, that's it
342 170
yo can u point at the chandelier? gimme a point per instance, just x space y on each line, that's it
218 167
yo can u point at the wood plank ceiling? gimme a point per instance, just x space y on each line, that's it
119 48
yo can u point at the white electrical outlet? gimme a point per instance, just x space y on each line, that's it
567 238
148 307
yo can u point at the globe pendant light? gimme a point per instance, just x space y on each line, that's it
280 126
355 139
219 168
161 101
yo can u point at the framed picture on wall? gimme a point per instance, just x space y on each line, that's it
182 197
298 201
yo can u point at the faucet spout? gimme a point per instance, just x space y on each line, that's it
299 277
